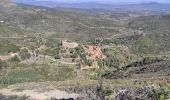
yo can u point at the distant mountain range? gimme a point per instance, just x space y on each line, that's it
154 6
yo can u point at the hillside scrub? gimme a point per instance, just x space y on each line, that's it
8 47
118 57
15 59
55 73
24 54
145 45
3 68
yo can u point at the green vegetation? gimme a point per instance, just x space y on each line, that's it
146 93
142 62
8 47
7 31
20 73
15 65
21 76
128 43
145 45
101 63
52 51
156 28
118 57
15 59
55 73
24 54
3 68
79 51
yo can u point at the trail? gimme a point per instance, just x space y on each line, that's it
9 56
37 95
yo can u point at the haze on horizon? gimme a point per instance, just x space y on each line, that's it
109 1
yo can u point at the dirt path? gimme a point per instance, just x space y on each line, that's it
37 95
6 57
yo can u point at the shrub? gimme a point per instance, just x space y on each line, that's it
15 59
3 68
24 54
57 56
100 63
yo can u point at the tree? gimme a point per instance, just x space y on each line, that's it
24 54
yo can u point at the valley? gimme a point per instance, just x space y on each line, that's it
72 53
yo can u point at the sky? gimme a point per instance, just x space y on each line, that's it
110 1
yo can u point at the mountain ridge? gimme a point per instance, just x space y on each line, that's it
152 6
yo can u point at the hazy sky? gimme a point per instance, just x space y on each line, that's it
109 1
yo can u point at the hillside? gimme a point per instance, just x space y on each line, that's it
63 23
50 52
83 24
155 27
149 6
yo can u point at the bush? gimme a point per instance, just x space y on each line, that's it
24 54
57 56
19 76
144 61
3 68
74 55
15 59
100 63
